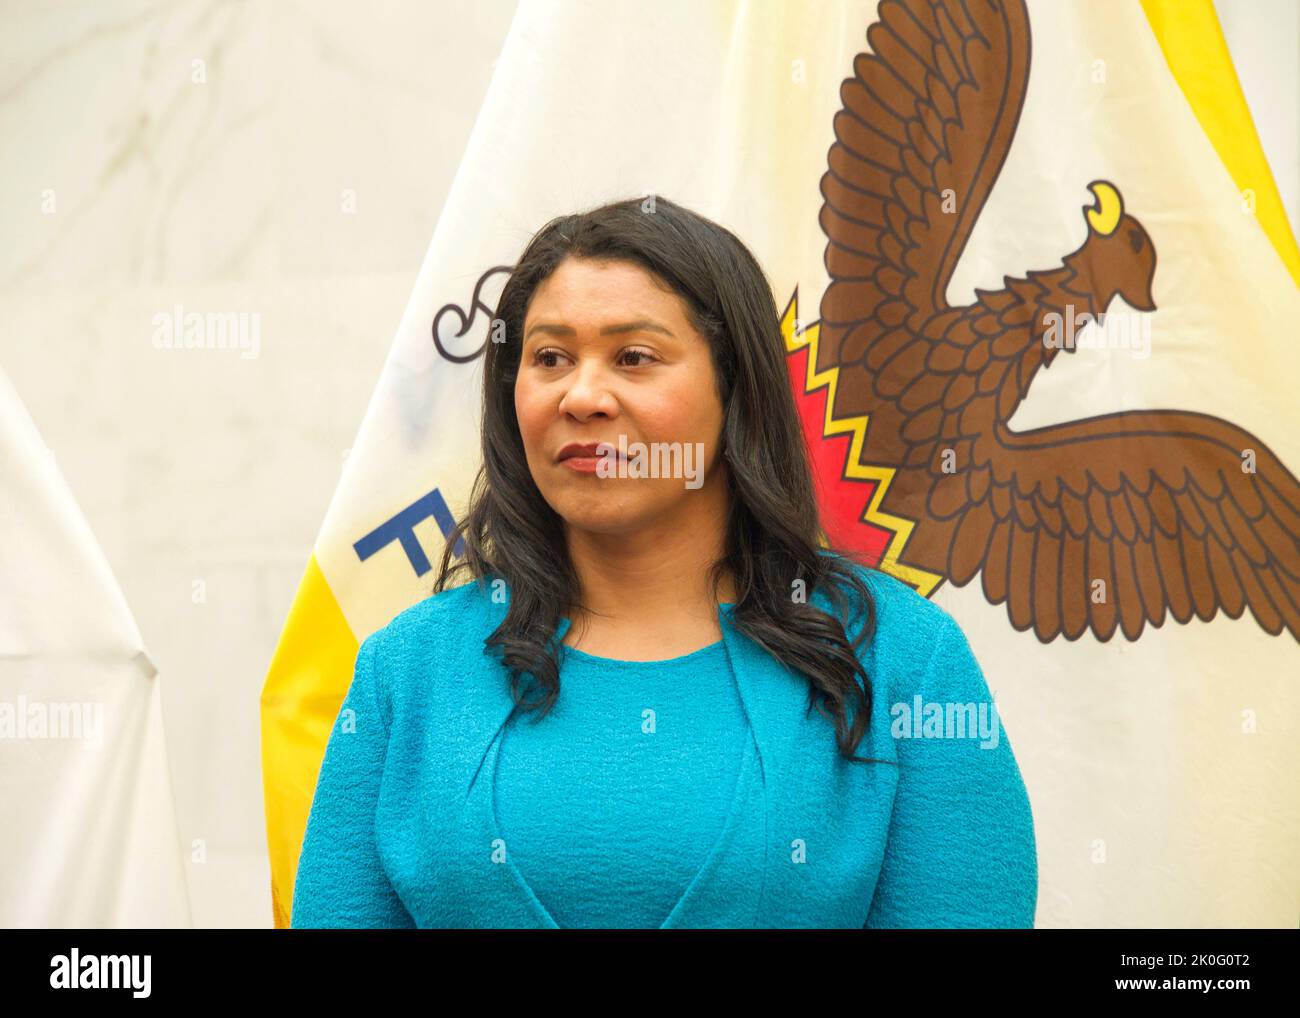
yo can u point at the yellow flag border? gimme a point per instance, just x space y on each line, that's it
1191 39
309 676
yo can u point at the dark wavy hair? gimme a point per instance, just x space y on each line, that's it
774 536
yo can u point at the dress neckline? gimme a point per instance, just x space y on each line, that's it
691 658
724 609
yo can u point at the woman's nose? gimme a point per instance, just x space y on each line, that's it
587 391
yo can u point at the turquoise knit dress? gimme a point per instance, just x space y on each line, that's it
699 791
641 760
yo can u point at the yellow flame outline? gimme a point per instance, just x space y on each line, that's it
899 527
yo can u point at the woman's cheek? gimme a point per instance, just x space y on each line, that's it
529 412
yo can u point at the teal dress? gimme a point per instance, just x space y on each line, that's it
641 760
700 791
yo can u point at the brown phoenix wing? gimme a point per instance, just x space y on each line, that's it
926 123
1161 506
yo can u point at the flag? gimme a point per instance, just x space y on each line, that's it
1039 298
91 837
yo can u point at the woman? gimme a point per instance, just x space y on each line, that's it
645 528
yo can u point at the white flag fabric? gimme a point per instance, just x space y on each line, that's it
1072 149
90 836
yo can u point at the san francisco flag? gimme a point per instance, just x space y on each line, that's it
1040 304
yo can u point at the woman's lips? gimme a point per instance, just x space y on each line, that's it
581 464
586 463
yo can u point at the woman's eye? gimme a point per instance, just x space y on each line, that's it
638 353
546 358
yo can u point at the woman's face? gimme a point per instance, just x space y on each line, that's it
609 354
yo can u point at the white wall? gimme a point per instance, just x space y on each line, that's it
200 470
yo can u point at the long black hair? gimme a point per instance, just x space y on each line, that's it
774 536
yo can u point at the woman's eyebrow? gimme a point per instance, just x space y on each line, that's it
640 325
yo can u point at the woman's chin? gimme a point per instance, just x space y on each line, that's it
598 519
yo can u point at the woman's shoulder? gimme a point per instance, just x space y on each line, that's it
907 626
431 629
